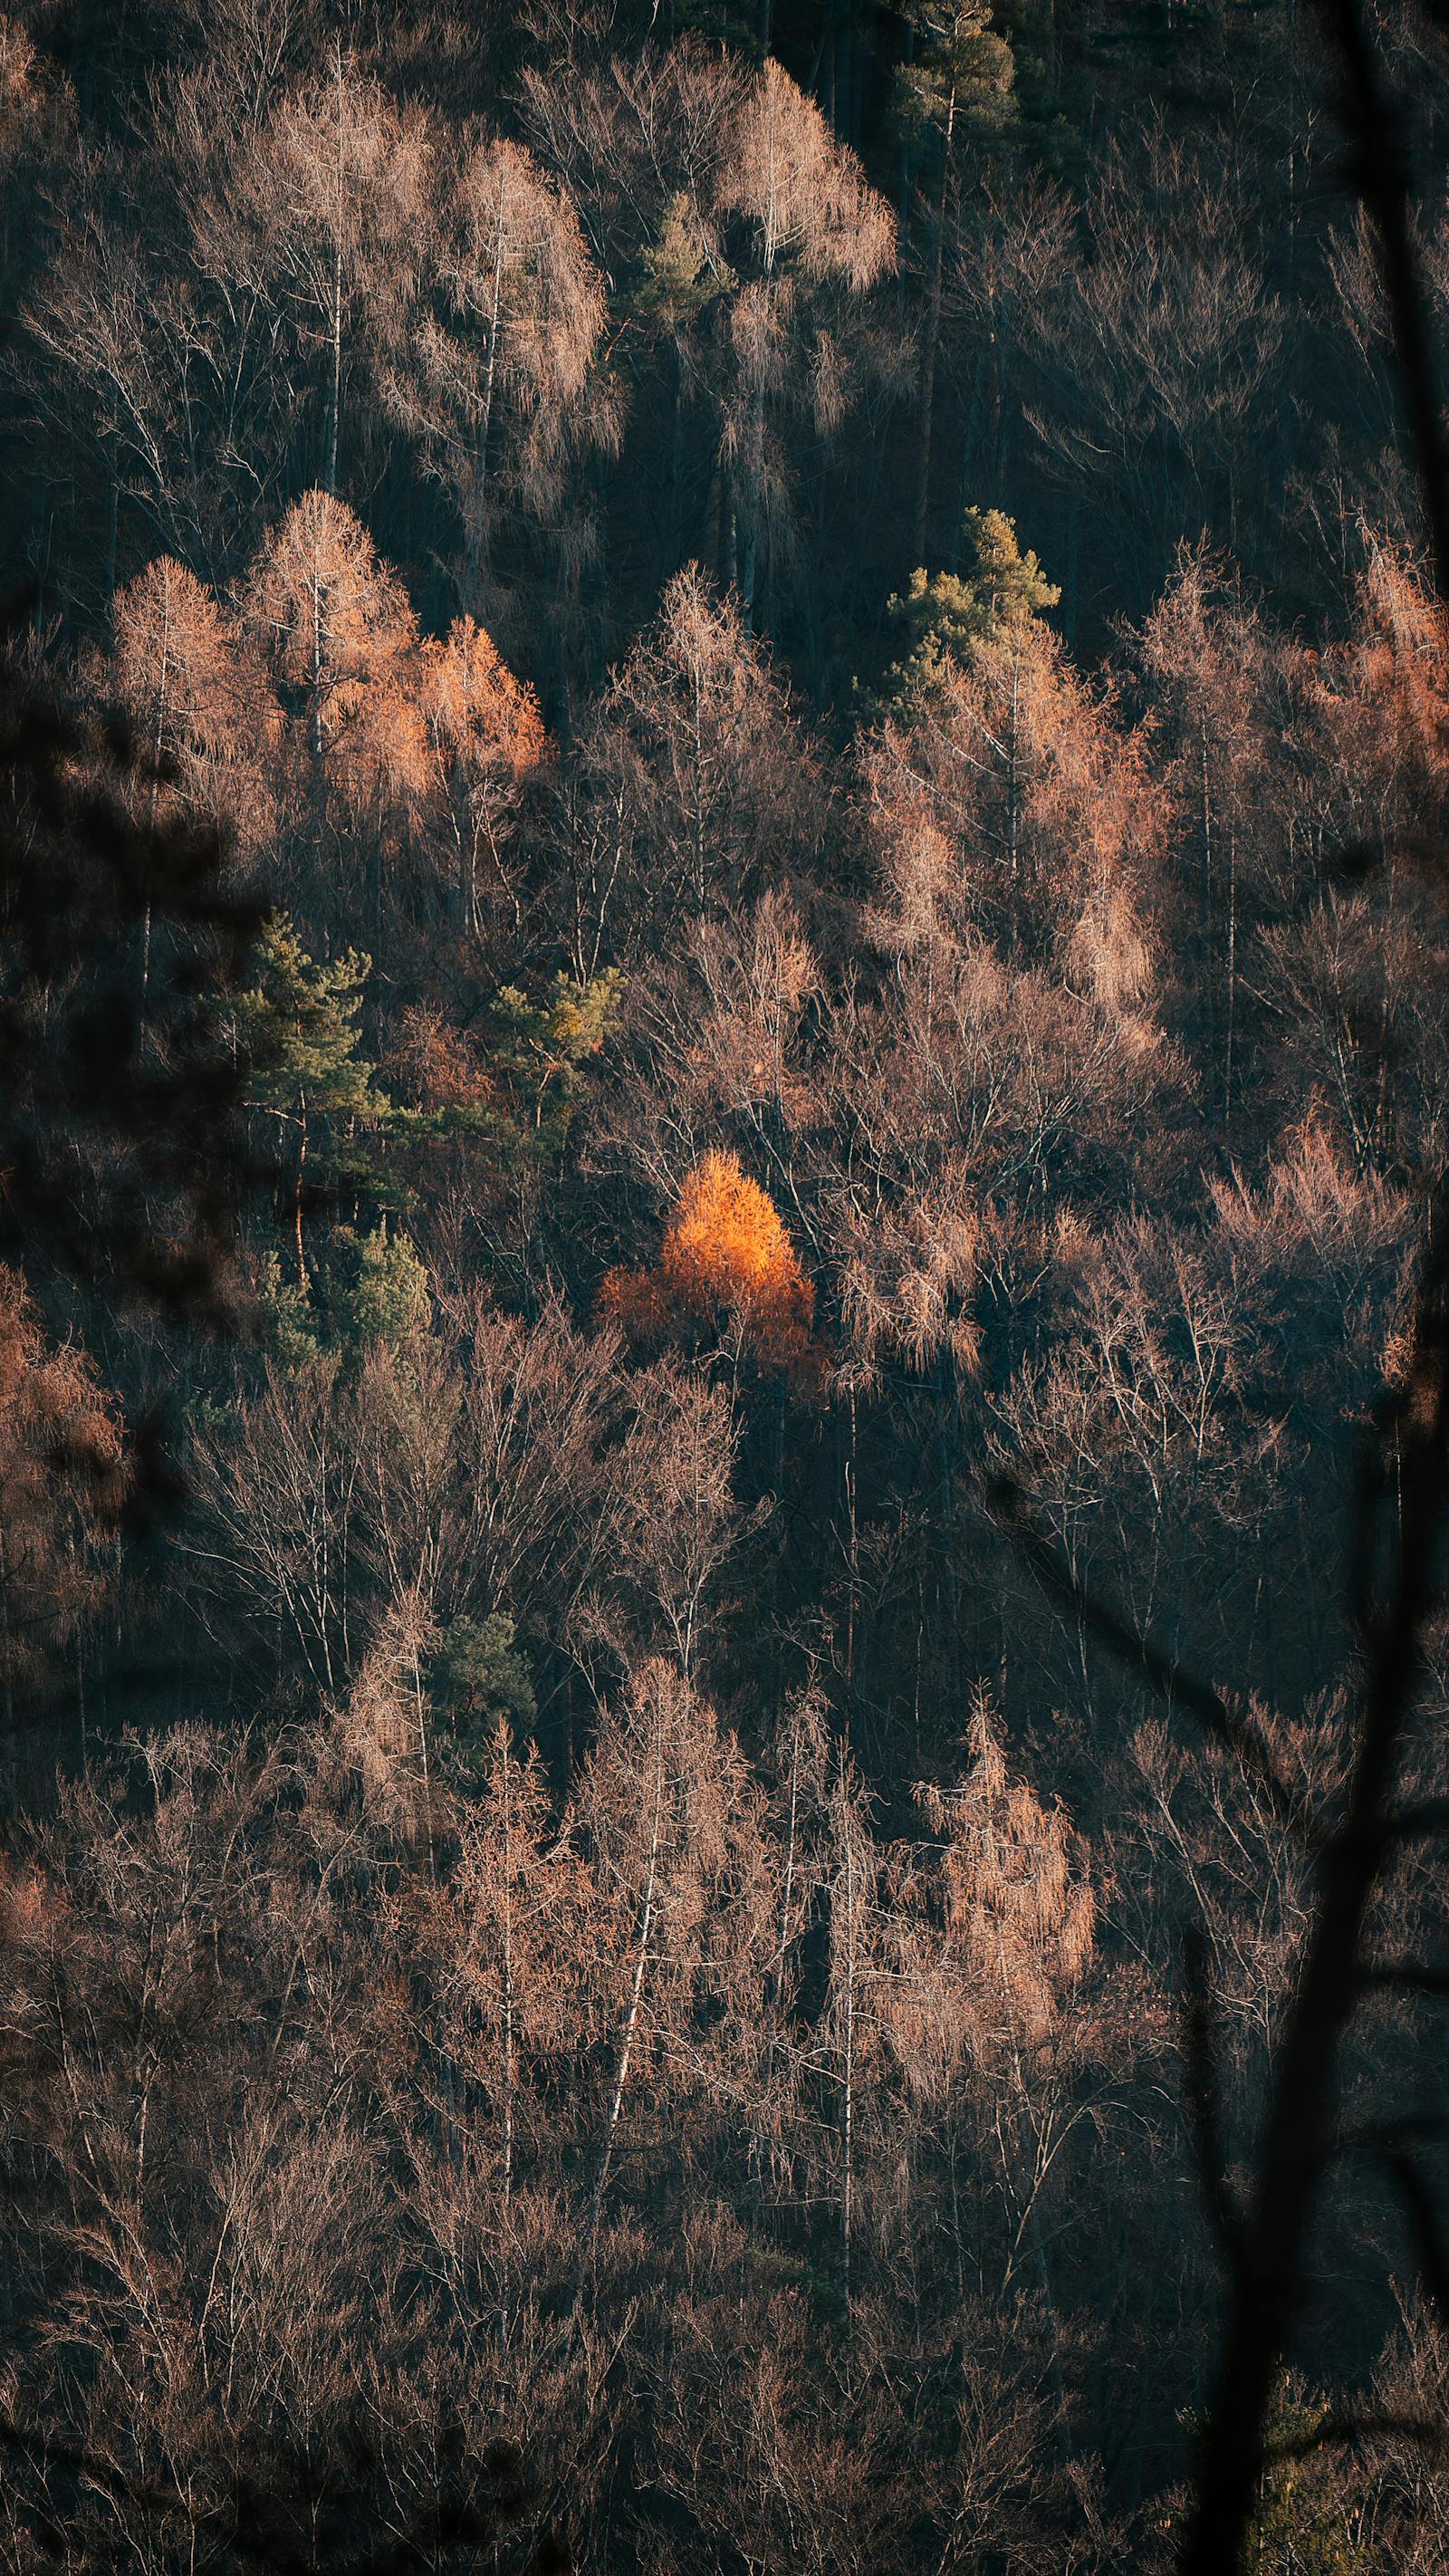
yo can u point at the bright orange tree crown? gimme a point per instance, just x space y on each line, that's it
724 1251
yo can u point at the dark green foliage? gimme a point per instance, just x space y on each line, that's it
385 1299
298 1028
371 1290
679 271
542 1050
478 1679
946 616
288 1324
962 75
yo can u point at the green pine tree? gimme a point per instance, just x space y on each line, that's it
298 1030
947 617
543 1048
960 81
385 1300
479 1679
678 274
290 1327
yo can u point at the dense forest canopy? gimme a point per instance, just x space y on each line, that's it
765 700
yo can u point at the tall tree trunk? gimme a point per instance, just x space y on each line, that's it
946 1490
1013 772
1205 831
330 478
847 2108
509 2037
477 534
931 346
1230 996
158 745
113 529
643 1942
297 1197
852 1540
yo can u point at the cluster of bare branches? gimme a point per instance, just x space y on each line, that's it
623 2002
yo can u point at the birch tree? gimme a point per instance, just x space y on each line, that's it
498 378
814 233
337 187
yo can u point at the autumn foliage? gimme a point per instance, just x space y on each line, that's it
725 1258
816 683
477 712
62 1476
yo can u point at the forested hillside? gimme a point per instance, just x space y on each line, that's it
766 1039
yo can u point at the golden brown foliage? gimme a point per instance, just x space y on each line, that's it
477 712
62 1476
338 628
725 1255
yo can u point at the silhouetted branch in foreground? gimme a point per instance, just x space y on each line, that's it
1218 1715
1268 2272
121 1157
1398 1525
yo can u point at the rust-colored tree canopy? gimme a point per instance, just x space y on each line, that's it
726 1257
480 715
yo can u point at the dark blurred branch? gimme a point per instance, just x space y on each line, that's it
1408 1975
1172 1681
1203 2101
1265 2292
1401 1494
122 1162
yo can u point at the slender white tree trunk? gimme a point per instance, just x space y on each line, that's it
643 1948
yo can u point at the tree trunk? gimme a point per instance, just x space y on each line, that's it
852 1529
847 2190
330 477
932 342
297 1195
1230 996
946 1489
644 1938
477 539
509 2044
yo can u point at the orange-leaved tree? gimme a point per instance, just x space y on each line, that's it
725 1259
339 635
487 740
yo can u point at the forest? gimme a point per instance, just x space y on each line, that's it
724 1043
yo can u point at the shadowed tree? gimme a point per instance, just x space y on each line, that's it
63 1479
488 743
497 381
811 228
341 641
694 783
197 696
